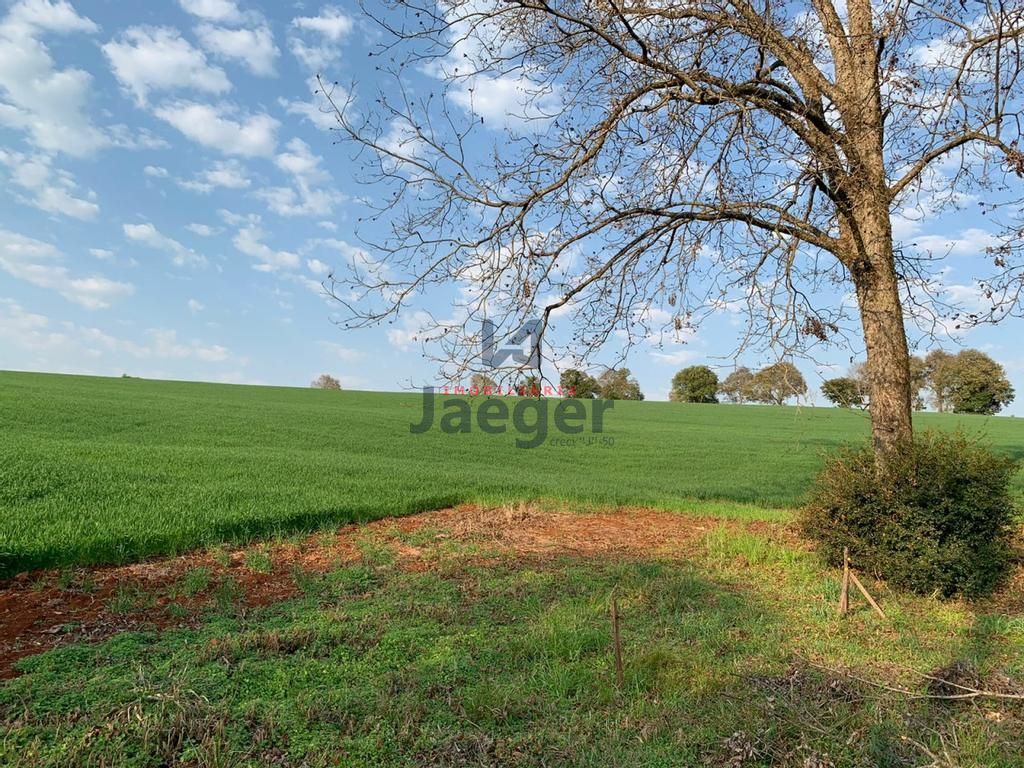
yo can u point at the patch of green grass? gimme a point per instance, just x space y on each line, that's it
374 552
194 581
177 610
130 598
112 470
220 556
259 561
227 595
512 664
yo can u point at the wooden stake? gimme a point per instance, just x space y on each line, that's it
867 596
844 590
617 642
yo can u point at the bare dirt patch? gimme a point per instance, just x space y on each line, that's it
45 609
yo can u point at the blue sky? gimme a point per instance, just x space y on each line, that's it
172 199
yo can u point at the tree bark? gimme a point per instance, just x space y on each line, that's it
866 231
885 338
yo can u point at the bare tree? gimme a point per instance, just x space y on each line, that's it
669 158
325 381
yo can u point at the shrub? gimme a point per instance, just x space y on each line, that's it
326 381
936 517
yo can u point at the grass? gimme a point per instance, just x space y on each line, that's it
100 470
511 664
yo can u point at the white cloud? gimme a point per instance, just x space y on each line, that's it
49 15
477 42
48 189
203 230
66 346
252 47
674 358
347 354
229 174
970 242
413 327
315 110
123 137
165 343
149 235
353 256
222 127
503 100
213 10
307 196
48 104
195 306
316 40
102 254
318 267
249 241
160 59
331 23
21 325
41 264
155 171
231 218
300 161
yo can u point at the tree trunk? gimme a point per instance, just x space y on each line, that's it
866 230
881 315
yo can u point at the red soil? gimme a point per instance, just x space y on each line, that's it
37 614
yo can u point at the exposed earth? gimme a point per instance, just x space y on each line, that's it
44 609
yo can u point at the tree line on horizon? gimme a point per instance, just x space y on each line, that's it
966 382
610 384
774 385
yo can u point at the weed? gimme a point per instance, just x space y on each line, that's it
258 560
227 596
130 598
194 581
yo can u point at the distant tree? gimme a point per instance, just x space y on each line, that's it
777 383
846 392
532 387
481 384
326 381
696 384
616 384
918 381
977 383
938 368
576 383
737 386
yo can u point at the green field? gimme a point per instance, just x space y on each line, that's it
471 637
109 470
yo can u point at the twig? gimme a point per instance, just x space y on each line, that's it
971 693
844 590
937 762
867 596
617 642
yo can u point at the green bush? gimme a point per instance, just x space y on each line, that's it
935 518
